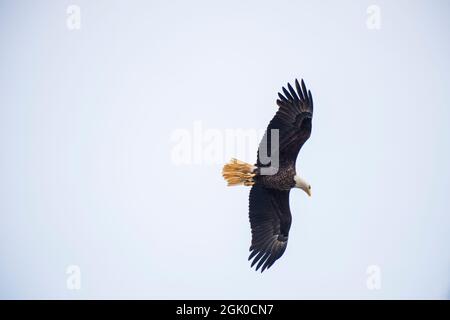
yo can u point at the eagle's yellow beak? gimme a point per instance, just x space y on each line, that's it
308 191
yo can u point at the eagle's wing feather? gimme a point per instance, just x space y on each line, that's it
270 220
293 120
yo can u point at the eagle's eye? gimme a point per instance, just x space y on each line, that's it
309 187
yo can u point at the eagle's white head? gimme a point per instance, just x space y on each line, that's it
302 184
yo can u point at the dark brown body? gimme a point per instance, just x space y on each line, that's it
282 180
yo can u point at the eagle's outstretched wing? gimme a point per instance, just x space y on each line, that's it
293 120
270 220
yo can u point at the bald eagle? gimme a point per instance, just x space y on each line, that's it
271 181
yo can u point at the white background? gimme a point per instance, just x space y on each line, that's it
87 176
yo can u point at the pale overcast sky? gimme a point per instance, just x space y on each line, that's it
90 119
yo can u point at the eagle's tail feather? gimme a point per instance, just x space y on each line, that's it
237 172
